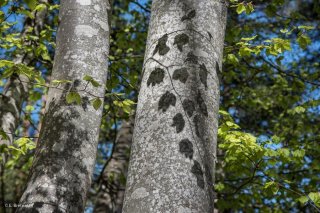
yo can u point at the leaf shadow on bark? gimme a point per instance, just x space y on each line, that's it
58 162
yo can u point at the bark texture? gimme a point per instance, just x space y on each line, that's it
15 91
174 143
110 198
66 152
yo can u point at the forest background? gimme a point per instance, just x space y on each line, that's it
268 158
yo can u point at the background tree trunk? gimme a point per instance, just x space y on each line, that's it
174 143
66 152
111 195
16 89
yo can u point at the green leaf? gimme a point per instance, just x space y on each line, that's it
315 197
2 3
31 3
73 97
271 187
300 153
271 10
45 55
299 109
303 40
6 63
306 27
7 73
91 80
278 2
25 70
219 187
249 8
40 7
245 51
303 199
3 148
241 8
87 78
35 96
29 108
3 135
118 103
276 139
1 16
128 102
232 59
26 12
15 151
96 103
53 7
284 152
249 39
95 83
22 142
229 123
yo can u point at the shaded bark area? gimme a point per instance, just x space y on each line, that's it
174 143
111 195
15 91
66 151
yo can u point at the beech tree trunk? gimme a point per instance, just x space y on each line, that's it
66 152
110 198
174 143
15 91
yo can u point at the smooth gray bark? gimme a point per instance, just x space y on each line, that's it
15 91
110 198
66 152
174 143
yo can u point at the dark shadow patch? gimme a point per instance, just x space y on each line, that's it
38 205
181 74
210 36
203 74
209 181
178 122
181 40
217 68
208 173
156 77
189 16
85 102
202 104
188 106
197 171
166 100
186 148
162 47
57 210
76 83
192 58
197 125
196 121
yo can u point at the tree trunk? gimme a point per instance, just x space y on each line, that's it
174 143
66 152
110 198
16 89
